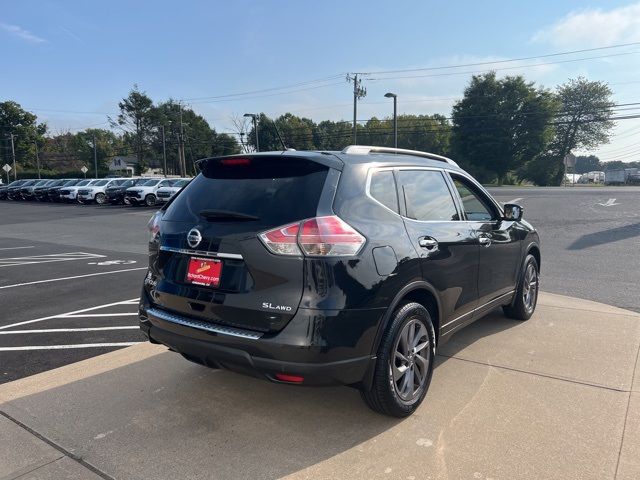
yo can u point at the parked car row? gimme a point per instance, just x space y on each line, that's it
130 191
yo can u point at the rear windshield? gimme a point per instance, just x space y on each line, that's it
276 190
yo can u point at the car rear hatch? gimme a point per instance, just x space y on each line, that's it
214 225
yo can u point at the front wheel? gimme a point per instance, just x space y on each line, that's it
526 299
404 364
150 200
101 198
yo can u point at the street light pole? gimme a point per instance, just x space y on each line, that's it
164 152
255 128
395 117
13 154
95 156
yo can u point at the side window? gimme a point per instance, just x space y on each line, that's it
474 206
383 189
427 196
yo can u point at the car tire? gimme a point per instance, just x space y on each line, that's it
150 200
402 376
524 303
100 198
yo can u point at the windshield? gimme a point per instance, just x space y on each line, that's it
180 183
83 182
128 183
149 183
100 183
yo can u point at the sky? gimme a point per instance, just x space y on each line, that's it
70 62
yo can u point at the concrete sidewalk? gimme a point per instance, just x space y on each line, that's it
551 398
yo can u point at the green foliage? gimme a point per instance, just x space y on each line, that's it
26 130
587 163
583 121
138 119
500 124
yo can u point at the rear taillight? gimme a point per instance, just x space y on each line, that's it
282 240
154 225
320 236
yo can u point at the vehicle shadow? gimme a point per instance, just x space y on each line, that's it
493 323
606 236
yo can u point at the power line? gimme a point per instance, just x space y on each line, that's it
476 64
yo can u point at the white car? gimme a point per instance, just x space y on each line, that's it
69 194
95 192
164 194
146 193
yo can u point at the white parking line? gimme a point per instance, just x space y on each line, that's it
58 330
61 347
38 259
42 319
515 200
72 278
90 315
15 248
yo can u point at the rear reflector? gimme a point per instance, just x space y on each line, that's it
320 236
283 377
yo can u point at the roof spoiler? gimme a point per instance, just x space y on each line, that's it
367 149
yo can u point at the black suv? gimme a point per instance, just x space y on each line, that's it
320 268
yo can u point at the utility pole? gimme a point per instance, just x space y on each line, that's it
95 155
183 163
13 154
35 144
358 92
164 152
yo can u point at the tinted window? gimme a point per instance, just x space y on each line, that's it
383 189
276 190
128 183
474 208
427 196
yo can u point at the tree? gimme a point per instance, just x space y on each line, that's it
138 119
26 130
583 122
588 163
500 124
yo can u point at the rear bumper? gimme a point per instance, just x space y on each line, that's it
325 347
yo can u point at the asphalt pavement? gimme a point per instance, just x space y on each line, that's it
590 240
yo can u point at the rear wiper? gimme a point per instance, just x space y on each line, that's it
226 215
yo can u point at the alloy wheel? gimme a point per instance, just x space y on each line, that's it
409 367
530 287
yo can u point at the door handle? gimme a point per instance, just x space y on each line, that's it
428 243
484 239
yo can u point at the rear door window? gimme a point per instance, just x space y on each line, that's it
383 189
276 190
426 196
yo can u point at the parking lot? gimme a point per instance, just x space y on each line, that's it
555 397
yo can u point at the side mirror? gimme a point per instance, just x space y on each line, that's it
513 211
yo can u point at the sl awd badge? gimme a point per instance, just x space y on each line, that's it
282 308
194 237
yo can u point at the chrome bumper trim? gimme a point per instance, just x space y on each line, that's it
189 322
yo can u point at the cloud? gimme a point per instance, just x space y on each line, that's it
593 28
21 33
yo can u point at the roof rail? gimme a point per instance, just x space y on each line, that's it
367 149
